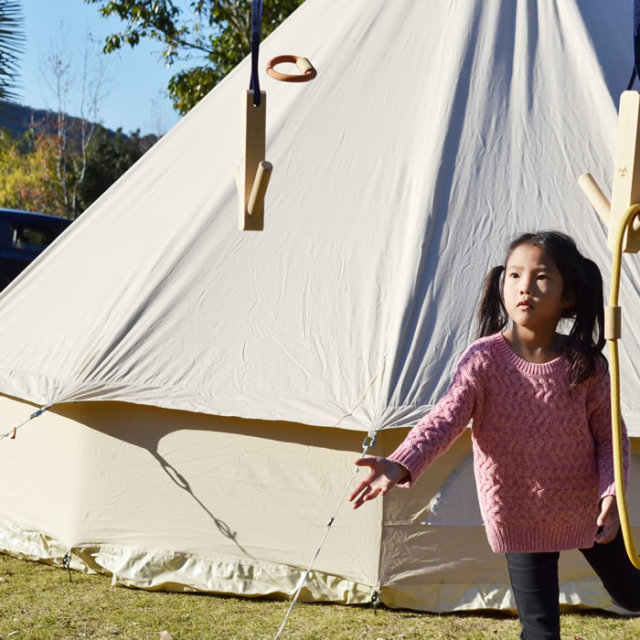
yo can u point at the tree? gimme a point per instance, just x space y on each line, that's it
27 166
11 41
72 136
109 156
216 32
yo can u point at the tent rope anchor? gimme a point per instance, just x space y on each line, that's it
375 601
14 432
66 563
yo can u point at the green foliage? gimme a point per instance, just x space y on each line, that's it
218 33
187 88
109 155
11 42
27 165
41 169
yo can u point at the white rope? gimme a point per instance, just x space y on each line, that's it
369 441
12 434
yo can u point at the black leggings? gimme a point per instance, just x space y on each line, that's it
534 581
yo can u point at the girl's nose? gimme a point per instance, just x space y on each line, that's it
525 285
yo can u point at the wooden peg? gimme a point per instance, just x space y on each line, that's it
253 173
626 176
597 199
255 206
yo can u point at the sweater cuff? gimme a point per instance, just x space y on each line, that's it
404 461
607 490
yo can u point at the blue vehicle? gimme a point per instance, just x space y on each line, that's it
23 236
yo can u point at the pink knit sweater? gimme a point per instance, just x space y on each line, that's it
542 451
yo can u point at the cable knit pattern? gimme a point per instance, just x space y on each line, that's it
542 451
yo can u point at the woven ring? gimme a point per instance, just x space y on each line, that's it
306 68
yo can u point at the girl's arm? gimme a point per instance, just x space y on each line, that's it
432 436
599 413
440 428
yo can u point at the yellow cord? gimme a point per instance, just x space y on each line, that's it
616 419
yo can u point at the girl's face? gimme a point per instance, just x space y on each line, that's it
533 291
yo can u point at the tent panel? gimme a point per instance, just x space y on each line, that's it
166 482
396 186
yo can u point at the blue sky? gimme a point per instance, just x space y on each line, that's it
133 81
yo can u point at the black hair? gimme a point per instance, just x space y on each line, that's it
581 277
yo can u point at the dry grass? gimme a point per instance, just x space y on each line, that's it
37 602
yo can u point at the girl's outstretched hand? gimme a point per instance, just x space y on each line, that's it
608 521
381 476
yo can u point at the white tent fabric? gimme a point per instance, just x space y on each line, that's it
433 134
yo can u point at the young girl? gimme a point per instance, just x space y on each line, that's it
540 406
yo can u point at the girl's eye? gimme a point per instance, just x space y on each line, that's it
513 275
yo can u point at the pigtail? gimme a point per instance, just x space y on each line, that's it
492 315
586 338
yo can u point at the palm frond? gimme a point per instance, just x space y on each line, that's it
11 47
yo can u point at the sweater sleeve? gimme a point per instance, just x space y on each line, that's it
599 413
437 431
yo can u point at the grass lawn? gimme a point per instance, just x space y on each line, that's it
37 602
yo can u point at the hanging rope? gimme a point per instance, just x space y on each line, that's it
636 44
368 443
256 35
12 434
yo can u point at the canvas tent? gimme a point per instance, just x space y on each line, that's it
209 389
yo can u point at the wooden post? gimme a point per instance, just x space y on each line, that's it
253 173
626 176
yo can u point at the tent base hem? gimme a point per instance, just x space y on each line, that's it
184 572
181 571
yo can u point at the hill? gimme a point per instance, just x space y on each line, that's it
17 119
